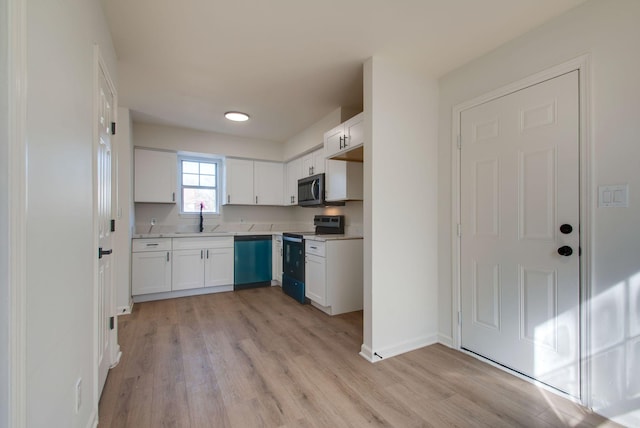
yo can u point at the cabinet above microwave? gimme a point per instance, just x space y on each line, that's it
345 141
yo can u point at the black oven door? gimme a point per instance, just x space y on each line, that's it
293 267
293 257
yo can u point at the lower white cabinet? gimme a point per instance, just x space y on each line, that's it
316 279
151 266
276 258
333 275
164 266
202 262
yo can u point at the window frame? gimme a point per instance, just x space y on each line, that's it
217 161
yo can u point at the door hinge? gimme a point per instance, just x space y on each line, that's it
459 318
459 141
113 224
113 128
112 323
459 231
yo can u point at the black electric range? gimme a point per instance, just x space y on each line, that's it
293 259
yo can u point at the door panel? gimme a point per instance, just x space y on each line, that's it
106 305
519 183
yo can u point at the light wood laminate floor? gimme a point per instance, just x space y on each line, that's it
257 358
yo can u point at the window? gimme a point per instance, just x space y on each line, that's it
199 184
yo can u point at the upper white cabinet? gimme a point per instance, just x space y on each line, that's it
239 181
293 174
343 181
155 176
268 183
313 163
254 182
344 138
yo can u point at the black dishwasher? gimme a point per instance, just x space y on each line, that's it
252 261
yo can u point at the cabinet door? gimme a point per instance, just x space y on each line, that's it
315 279
307 165
218 267
188 269
354 132
239 182
155 176
293 174
333 141
150 272
276 252
318 161
268 183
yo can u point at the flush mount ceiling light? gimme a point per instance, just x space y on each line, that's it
236 116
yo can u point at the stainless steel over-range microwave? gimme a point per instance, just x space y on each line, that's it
311 192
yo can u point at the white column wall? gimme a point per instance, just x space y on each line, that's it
4 218
609 32
123 210
400 220
60 242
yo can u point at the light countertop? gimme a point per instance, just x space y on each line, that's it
324 238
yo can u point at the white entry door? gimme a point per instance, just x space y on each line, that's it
519 259
105 298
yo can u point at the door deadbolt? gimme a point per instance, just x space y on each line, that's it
566 229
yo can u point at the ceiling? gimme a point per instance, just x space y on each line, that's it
288 63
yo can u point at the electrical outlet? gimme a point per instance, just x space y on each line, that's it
78 394
154 221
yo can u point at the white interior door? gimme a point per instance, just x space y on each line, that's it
105 266
519 185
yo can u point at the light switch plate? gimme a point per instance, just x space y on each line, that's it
613 196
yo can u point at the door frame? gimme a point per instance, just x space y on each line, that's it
17 197
582 64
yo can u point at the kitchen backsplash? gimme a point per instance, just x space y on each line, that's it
236 218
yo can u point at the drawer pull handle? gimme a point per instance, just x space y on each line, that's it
152 245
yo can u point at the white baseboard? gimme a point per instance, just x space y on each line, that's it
445 340
93 419
366 353
181 293
402 347
124 310
117 359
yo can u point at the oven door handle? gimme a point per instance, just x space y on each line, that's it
292 239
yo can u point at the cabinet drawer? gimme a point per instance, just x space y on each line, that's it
151 244
205 242
314 247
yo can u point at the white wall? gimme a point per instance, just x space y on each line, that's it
400 224
188 140
313 136
609 32
183 139
4 219
123 209
60 251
